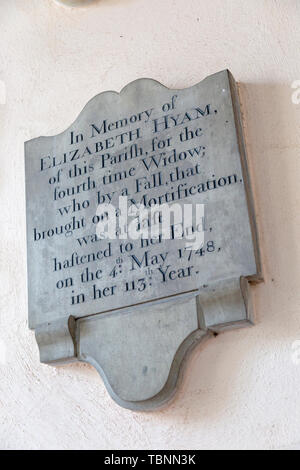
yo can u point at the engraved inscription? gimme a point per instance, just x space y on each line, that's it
151 147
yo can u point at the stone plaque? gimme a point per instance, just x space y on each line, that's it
140 233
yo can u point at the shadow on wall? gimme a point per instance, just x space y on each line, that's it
271 121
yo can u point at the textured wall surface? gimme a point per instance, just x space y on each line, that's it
241 389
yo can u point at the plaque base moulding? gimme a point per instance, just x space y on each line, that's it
142 371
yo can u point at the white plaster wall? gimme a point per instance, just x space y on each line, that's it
241 389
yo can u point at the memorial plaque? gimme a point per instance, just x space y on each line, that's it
141 233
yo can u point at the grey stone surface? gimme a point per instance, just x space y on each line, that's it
145 304
145 359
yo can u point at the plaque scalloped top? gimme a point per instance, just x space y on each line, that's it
135 307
